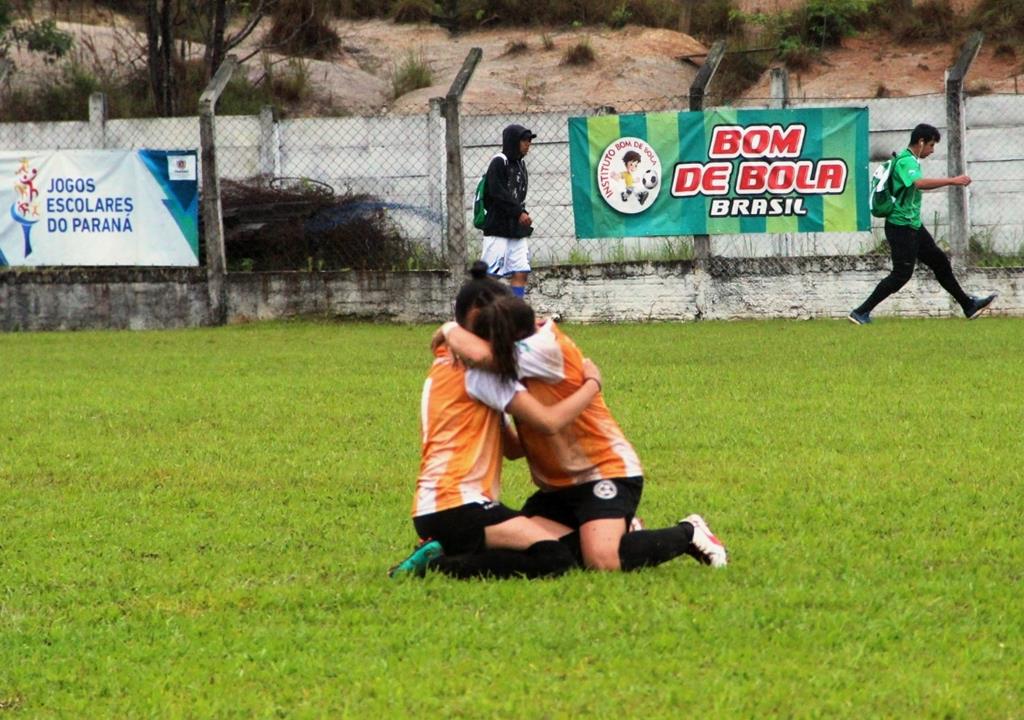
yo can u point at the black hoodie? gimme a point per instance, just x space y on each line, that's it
506 187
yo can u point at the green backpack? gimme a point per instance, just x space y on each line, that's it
882 202
479 202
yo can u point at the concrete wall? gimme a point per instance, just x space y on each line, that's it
754 289
400 297
79 299
729 289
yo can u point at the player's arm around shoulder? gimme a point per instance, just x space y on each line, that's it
550 419
472 350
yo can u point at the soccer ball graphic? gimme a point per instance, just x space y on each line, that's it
650 178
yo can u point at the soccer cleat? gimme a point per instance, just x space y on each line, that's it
858 318
416 563
705 547
979 305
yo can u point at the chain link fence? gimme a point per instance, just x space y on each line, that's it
332 193
995 162
362 192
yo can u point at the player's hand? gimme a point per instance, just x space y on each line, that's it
525 219
437 340
964 180
591 372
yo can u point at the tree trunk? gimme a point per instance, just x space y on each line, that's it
216 46
160 39
685 15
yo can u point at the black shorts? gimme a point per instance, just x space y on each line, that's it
599 500
461 530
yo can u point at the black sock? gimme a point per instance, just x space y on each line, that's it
547 558
647 548
572 541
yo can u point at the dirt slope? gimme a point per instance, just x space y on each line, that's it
523 69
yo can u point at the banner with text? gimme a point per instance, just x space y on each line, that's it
720 172
99 207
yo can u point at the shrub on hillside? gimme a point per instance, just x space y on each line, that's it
413 73
932 20
300 27
1000 20
582 53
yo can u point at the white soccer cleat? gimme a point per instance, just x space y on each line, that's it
705 547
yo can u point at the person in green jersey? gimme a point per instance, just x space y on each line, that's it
909 240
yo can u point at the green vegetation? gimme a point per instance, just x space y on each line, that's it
39 36
196 523
796 37
411 74
63 94
983 253
302 27
579 54
602 251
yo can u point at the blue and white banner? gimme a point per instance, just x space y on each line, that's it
99 207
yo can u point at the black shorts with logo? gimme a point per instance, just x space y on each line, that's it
461 530
598 500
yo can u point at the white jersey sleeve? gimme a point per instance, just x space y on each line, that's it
540 356
490 389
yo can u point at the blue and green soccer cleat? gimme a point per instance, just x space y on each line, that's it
416 563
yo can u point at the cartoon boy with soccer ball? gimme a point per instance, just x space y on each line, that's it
632 161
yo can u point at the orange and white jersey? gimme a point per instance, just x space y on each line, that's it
460 420
592 447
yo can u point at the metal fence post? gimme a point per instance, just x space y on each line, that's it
436 157
956 157
456 226
779 88
98 118
216 266
702 243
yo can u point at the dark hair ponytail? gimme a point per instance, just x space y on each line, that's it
478 270
502 323
477 292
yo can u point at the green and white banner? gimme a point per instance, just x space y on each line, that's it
99 207
720 172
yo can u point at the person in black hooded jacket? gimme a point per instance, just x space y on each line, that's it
508 223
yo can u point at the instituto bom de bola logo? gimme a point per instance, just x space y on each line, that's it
629 175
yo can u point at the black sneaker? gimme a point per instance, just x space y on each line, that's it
859 318
979 305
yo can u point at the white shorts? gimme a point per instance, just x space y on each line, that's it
505 256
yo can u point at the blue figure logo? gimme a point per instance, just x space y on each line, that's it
25 209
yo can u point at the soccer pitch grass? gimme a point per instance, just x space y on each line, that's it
198 523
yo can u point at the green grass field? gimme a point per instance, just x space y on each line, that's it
198 524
